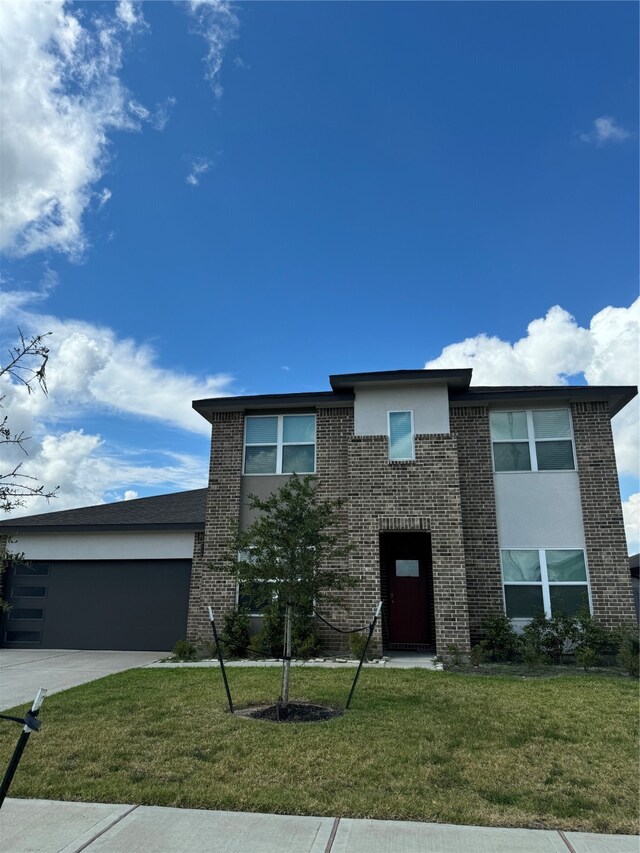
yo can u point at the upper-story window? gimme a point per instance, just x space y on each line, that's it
280 444
401 436
532 440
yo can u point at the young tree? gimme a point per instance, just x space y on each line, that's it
292 545
26 367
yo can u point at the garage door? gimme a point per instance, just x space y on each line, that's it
101 604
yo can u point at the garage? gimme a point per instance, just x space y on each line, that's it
137 605
109 577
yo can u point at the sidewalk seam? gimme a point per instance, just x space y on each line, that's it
332 837
566 840
106 829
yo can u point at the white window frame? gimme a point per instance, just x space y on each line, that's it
531 440
280 443
544 579
413 435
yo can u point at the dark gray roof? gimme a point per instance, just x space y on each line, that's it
272 403
177 511
459 378
617 396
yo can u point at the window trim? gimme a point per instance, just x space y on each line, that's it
531 441
544 579
413 435
280 444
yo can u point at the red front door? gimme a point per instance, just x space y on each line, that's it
406 560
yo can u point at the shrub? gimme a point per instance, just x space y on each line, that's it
586 657
304 638
592 635
629 651
455 655
499 640
357 643
235 633
184 650
477 655
550 639
531 652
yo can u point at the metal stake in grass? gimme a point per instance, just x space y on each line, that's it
216 640
31 724
372 628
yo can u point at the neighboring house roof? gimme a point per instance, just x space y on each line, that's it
634 565
177 511
343 385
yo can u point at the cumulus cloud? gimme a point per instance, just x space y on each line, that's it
631 512
93 373
129 13
217 23
556 348
605 130
61 97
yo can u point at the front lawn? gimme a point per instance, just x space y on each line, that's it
418 745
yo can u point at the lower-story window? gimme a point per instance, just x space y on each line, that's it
254 597
543 580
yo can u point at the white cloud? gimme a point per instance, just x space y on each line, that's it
631 512
198 167
605 129
61 97
129 13
556 348
217 23
103 197
130 495
94 373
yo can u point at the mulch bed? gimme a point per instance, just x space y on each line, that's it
295 712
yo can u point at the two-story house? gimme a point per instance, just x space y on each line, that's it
460 501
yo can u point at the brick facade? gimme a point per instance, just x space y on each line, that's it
470 425
211 587
446 492
607 559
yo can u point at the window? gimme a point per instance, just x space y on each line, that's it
400 436
280 444
548 581
254 597
532 440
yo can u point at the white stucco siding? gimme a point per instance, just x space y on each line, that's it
430 408
539 509
166 545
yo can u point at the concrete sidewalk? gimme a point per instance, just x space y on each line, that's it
46 826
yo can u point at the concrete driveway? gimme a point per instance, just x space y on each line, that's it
23 671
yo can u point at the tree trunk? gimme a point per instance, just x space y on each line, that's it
287 657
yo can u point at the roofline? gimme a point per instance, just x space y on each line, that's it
22 530
617 396
259 402
454 378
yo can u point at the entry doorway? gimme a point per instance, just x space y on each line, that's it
406 577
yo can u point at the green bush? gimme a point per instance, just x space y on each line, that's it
586 657
477 655
592 635
454 654
235 633
629 649
499 640
304 638
357 642
184 650
549 639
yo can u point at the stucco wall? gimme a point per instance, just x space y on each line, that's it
163 545
430 408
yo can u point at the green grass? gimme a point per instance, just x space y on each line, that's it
499 751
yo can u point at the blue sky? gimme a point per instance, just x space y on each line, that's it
204 199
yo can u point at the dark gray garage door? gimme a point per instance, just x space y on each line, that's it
102 604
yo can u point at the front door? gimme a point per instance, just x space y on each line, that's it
406 567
